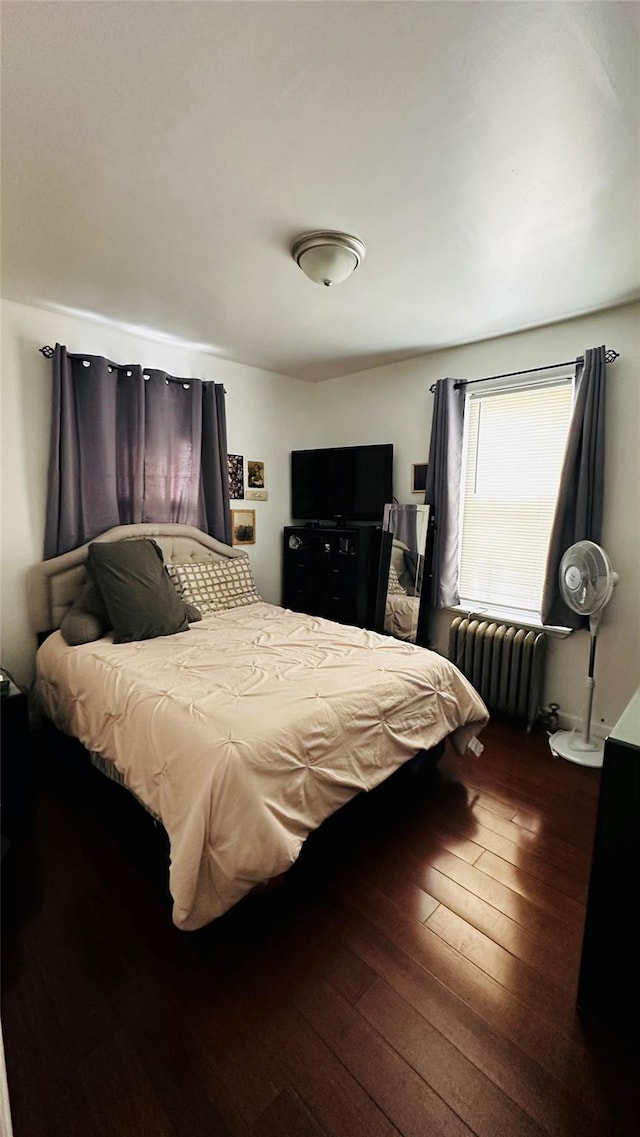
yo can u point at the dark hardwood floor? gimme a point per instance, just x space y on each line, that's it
416 973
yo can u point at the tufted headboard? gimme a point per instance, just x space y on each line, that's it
54 585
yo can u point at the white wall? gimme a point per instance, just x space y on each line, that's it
393 404
264 412
268 415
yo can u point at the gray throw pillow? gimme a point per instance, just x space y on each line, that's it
140 598
88 619
80 627
408 577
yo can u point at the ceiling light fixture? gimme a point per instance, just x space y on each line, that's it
327 257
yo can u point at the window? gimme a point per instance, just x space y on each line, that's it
512 458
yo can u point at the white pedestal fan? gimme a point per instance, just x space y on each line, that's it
586 582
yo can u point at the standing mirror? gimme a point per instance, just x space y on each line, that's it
402 572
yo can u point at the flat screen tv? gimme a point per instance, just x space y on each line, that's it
344 483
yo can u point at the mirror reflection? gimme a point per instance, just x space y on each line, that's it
402 560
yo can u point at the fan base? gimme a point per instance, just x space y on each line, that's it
567 744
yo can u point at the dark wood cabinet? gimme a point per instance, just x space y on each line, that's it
608 983
332 572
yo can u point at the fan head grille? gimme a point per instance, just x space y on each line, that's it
586 577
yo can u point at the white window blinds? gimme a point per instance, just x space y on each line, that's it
512 459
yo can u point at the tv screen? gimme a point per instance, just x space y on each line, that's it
347 483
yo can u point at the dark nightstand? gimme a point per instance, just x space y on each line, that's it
15 762
608 984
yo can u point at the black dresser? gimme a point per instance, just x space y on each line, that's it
332 572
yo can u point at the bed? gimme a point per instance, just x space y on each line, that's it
247 730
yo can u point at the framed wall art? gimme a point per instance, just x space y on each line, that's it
256 480
243 526
235 467
419 477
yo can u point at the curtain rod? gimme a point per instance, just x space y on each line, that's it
610 355
49 353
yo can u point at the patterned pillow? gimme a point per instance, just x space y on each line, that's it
214 586
394 588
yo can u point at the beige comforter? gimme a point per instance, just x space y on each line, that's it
244 733
401 616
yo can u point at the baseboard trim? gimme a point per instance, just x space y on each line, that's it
575 722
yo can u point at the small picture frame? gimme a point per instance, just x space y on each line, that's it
243 526
256 480
235 467
419 477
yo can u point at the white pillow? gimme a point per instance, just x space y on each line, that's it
214 586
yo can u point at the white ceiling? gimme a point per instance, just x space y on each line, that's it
160 157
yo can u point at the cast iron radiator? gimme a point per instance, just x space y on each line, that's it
504 663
